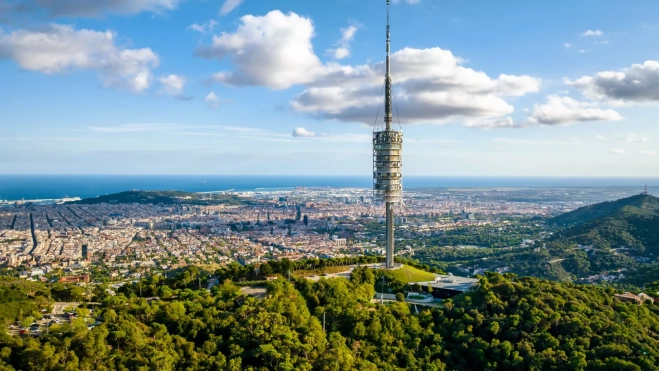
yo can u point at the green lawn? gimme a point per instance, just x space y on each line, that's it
411 274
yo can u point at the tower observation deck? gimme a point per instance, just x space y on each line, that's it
387 159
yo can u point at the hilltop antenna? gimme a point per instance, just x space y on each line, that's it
646 189
387 156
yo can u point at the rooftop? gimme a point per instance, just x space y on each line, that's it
451 283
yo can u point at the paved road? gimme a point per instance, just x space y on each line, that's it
377 300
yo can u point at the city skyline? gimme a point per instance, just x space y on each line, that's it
286 87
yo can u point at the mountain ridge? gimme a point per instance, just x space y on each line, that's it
631 222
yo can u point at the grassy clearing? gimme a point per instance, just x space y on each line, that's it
411 274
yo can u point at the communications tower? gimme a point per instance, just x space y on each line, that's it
387 159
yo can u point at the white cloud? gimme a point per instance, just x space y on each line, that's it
204 27
342 49
600 138
273 50
582 51
432 86
637 84
59 48
493 123
229 5
567 45
92 8
633 138
562 110
649 153
595 33
212 100
303 133
618 151
602 42
173 85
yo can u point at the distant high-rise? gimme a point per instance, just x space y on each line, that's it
387 159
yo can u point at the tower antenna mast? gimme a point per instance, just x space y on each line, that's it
387 158
388 116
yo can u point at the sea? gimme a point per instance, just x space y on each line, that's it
33 187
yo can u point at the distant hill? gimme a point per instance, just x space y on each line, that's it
631 222
166 198
641 204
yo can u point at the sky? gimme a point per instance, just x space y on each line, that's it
290 87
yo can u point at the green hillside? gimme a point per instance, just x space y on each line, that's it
646 205
631 222
166 198
410 274
509 323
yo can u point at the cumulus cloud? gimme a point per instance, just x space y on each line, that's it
273 50
204 27
636 84
92 8
431 85
633 138
567 45
649 153
582 51
212 100
618 151
229 5
60 48
562 110
595 33
173 85
342 49
600 138
303 133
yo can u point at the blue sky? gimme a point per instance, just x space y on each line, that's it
515 88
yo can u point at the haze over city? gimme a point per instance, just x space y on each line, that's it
556 88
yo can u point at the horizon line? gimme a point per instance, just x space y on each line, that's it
350 175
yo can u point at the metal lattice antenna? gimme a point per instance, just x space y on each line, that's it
388 117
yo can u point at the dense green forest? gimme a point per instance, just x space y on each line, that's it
507 323
631 222
606 238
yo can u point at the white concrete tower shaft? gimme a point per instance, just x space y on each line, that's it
387 161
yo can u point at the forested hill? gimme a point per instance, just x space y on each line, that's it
509 323
631 223
166 198
642 205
